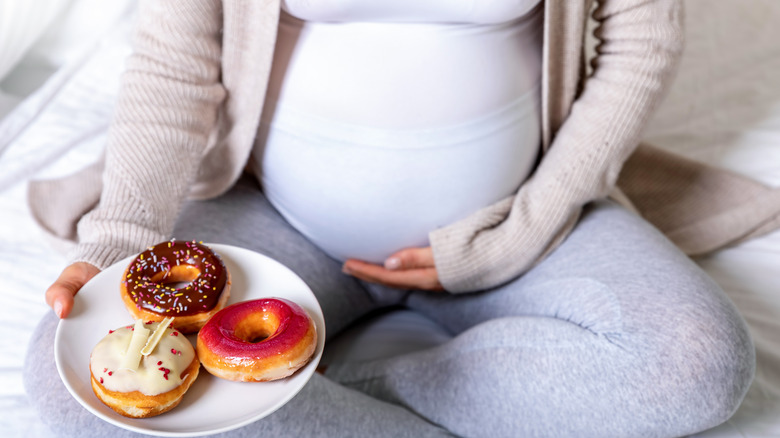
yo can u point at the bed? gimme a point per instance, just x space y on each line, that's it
59 74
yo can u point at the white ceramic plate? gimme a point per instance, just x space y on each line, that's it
211 405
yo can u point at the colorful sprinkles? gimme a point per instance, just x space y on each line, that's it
146 277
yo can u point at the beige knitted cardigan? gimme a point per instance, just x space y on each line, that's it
193 90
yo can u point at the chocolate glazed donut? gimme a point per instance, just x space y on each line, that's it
183 280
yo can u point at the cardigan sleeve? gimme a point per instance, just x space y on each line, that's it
639 46
166 110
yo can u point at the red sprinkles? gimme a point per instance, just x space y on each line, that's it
165 371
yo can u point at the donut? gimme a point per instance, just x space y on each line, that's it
257 340
137 385
183 280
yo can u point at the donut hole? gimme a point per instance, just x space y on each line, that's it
256 328
259 338
178 277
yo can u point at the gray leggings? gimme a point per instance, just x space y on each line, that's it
615 334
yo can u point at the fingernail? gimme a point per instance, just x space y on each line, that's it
345 269
392 263
58 308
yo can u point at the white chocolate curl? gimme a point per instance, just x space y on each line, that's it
133 353
156 336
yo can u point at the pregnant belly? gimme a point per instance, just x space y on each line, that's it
367 193
375 134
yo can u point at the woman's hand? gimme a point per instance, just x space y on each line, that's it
60 295
410 268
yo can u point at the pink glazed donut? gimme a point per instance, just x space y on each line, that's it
257 340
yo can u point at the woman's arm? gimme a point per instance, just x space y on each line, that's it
640 43
166 110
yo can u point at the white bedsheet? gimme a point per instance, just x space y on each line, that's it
724 109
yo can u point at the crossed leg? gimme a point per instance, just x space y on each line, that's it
616 333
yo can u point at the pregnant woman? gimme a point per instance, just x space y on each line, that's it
449 156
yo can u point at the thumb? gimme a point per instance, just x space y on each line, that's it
59 296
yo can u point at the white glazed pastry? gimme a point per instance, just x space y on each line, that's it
143 370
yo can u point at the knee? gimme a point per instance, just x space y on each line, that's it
709 368
731 372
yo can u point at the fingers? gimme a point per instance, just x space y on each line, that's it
411 258
420 278
411 268
59 296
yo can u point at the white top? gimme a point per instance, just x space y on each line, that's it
388 119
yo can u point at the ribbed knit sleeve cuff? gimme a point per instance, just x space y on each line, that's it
459 263
453 275
485 250
105 241
99 256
